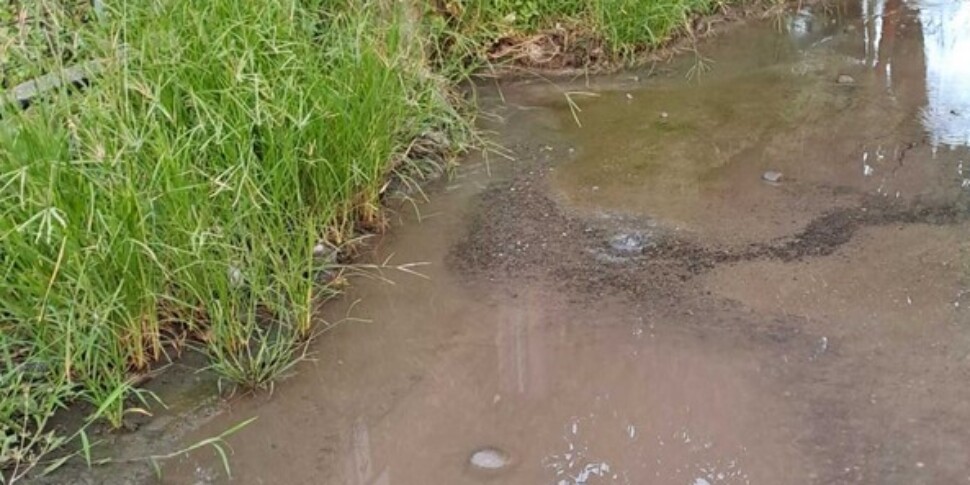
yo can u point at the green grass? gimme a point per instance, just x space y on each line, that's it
183 199
33 32
182 196
621 28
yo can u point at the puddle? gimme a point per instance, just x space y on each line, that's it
748 268
691 145
575 392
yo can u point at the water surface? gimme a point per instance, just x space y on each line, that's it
631 302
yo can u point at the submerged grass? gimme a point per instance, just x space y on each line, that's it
199 192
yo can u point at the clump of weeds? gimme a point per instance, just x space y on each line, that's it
182 198
560 33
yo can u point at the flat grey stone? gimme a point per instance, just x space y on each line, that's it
489 459
845 79
79 74
772 176
628 243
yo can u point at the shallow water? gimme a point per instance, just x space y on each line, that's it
631 302
691 151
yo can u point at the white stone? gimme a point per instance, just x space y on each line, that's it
489 459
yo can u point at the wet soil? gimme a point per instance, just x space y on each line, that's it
633 300
728 293
519 231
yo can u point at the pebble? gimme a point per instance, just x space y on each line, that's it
846 79
820 348
490 459
324 251
628 243
772 176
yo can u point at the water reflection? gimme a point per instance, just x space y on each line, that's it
360 460
944 28
946 45
521 365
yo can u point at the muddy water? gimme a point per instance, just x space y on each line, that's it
631 302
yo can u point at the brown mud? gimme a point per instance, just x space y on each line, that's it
635 299
520 231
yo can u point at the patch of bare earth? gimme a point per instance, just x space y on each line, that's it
853 314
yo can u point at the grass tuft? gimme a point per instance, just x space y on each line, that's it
557 33
182 196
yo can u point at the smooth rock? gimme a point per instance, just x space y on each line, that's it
846 79
772 176
628 243
489 459
78 75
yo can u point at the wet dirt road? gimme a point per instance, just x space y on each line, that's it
631 302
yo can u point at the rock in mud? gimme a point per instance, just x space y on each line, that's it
845 79
772 176
820 347
489 459
628 243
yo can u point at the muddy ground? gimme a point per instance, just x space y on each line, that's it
850 386
635 299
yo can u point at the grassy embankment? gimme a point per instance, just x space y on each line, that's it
556 34
198 194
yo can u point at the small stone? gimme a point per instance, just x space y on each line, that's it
846 79
628 243
772 176
489 459
664 115
629 96
820 347
324 251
